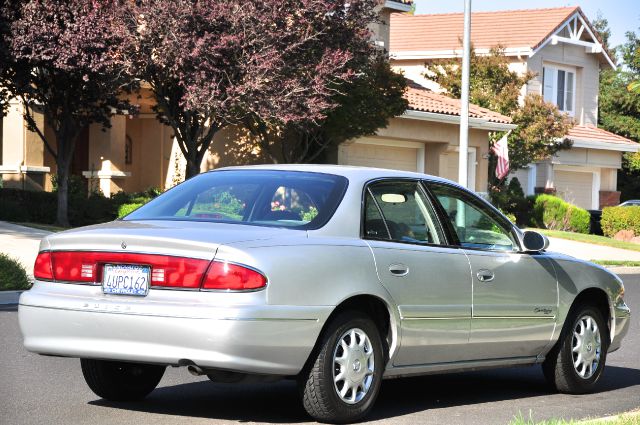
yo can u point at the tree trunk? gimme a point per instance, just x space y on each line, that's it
193 167
62 215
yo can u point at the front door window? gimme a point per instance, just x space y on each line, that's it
474 224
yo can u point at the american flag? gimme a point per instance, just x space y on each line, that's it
501 150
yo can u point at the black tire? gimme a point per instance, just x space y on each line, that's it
319 392
119 381
558 367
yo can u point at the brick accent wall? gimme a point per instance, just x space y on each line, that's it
609 198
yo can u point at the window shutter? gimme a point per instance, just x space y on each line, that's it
569 91
548 81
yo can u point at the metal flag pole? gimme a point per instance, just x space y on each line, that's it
463 156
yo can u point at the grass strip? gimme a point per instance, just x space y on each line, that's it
616 263
629 418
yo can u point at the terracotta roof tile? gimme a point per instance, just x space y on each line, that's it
594 134
424 100
509 28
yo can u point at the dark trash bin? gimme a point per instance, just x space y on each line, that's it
594 224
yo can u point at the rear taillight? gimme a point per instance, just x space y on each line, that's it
166 271
42 268
232 277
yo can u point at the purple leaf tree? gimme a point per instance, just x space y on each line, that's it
214 63
67 67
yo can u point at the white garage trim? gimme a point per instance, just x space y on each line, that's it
531 181
595 185
397 144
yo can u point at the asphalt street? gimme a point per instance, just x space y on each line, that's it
48 390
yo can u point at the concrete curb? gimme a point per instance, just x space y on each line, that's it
9 297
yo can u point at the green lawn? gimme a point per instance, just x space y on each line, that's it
593 239
617 263
630 418
47 227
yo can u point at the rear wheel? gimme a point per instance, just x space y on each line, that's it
576 362
119 381
342 383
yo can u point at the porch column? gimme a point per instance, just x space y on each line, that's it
107 156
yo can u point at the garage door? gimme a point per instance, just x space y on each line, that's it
574 187
392 157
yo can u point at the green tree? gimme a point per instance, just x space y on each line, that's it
541 127
619 107
601 25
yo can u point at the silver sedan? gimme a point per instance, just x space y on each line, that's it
337 277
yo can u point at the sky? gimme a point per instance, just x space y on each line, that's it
623 15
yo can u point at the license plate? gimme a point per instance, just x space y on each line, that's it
125 279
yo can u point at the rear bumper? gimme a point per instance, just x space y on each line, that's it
622 322
247 338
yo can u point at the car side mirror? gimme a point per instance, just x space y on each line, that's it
534 241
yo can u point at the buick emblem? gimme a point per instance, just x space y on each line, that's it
123 245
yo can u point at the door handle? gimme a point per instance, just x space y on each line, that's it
399 270
485 275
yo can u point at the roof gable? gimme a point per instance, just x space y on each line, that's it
519 32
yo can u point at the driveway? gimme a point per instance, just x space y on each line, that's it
21 243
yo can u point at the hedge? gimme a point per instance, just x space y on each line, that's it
13 276
40 207
553 213
615 219
126 209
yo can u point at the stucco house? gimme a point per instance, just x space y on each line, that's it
138 152
561 48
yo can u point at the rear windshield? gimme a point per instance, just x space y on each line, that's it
258 197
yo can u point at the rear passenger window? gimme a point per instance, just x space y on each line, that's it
399 211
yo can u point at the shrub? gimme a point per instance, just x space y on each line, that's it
28 206
553 213
40 207
511 201
13 276
126 209
615 219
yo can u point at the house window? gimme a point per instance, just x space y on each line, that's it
128 150
559 88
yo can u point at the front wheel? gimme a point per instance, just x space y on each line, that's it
119 381
576 363
342 383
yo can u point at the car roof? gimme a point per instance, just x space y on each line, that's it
351 172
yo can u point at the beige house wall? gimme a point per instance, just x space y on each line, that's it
441 141
22 164
414 69
587 76
588 157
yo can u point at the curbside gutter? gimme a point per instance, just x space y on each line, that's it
9 297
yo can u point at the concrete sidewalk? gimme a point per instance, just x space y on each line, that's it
21 243
586 251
